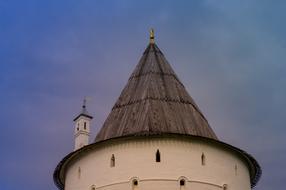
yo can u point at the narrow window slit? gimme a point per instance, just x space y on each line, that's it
112 161
203 159
158 156
79 173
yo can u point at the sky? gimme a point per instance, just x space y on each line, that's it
229 54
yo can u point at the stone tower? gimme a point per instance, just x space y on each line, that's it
156 138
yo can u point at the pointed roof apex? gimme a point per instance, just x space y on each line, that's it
153 102
152 37
84 111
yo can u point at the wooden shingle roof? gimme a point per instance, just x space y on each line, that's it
154 101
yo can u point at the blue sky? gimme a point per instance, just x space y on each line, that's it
229 54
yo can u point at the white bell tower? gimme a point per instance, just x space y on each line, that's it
82 127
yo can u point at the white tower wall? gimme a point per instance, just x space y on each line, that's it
221 168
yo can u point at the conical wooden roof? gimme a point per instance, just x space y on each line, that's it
154 101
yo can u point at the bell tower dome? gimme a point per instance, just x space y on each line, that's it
82 127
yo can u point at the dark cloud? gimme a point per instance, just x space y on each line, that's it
230 55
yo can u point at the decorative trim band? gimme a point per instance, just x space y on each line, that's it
174 180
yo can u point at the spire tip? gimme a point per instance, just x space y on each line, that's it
152 36
84 103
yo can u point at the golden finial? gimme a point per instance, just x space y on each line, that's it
152 40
